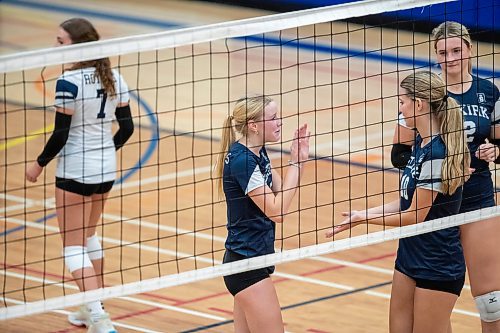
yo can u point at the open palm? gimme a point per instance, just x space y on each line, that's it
299 150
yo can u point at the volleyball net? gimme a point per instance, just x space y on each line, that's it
164 223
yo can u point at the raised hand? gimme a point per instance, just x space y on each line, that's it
299 151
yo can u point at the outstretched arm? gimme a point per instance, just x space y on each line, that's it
421 204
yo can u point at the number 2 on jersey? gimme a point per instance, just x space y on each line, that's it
470 129
103 95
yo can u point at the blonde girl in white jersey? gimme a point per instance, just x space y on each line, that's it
89 96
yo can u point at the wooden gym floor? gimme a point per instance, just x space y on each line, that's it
342 292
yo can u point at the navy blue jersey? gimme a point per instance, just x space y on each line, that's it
477 105
437 255
250 232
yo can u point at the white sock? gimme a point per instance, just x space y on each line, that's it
95 309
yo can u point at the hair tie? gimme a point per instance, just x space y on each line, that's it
445 98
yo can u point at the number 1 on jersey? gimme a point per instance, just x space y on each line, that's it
103 95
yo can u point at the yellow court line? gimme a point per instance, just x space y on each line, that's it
14 142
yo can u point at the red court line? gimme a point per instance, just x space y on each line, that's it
193 300
70 279
22 268
165 298
137 313
278 280
384 256
222 310
199 299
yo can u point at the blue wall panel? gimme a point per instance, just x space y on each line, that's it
479 15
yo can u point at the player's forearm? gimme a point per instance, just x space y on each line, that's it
126 126
57 140
391 207
396 219
284 199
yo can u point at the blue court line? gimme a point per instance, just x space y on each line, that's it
320 299
377 55
144 158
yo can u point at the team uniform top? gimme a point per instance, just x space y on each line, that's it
89 153
250 232
477 104
437 255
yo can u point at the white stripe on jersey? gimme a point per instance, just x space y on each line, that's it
431 170
256 180
433 186
60 94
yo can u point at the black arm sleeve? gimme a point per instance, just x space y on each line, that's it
124 117
400 155
57 140
496 142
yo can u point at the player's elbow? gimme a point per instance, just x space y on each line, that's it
400 155
128 129
275 215
277 218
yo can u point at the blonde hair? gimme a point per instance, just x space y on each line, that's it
431 88
246 109
450 29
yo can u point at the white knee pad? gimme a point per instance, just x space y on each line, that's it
94 248
489 306
76 257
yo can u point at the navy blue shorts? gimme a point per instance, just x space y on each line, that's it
240 281
447 286
83 189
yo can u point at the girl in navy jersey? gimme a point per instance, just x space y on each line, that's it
430 268
89 96
479 101
257 198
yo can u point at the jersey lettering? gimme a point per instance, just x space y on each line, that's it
475 110
90 78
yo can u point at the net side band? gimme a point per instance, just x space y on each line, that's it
247 264
188 36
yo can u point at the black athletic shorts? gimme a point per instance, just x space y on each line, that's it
447 286
83 189
240 281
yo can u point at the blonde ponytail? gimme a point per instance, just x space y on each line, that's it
431 88
246 109
228 138
455 169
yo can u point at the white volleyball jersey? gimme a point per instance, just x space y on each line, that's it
89 154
